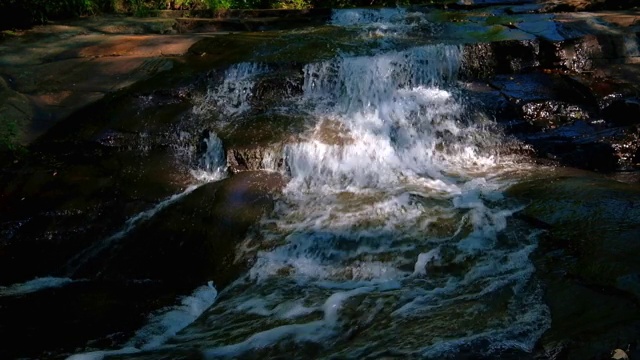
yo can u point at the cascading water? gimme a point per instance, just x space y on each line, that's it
393 241
212 164
232 97
385 25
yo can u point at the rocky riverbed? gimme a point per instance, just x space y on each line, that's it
116 206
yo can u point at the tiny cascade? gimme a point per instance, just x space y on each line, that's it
212 163
232 97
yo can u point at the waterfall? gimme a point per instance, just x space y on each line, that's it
232 97
392 236
396 227
399 108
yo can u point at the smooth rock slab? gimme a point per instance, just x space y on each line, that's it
192 241
587 260
54 323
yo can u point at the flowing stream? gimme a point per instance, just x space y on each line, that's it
392 237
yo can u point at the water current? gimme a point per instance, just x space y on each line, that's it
392 240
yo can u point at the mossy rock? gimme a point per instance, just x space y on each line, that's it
16 112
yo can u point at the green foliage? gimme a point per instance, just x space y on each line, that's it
219 4
8 133
291 4
24 13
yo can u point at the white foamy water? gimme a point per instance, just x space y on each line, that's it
34 285
213 163
395 240
383 24
167 323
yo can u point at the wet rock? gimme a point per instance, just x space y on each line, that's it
55 322
560 117
54 211
255 158
623 112
527 87
499 57
552 113
591 156
587 5
276 87
115 139
490 101
585 145
257 142
82 180
587 261
193 240
545 101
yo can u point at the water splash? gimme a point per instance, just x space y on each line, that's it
167 323
212 163
405 122
232 97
